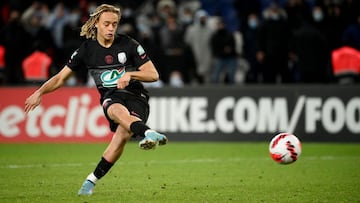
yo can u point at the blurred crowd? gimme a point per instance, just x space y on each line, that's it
193 42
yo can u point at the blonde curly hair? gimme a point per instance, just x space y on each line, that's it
88 29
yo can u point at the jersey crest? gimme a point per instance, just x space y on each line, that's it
122 57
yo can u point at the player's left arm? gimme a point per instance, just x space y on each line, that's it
147 73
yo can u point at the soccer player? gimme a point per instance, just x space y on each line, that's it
117 64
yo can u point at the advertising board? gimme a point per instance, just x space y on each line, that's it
210 113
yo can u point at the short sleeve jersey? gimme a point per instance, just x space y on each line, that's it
107 65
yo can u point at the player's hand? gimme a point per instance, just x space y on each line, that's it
123 81
32 102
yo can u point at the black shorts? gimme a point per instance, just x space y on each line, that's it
136 104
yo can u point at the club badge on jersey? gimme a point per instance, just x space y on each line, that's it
122 57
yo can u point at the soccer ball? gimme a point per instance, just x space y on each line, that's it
285 148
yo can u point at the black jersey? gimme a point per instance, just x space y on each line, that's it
107 65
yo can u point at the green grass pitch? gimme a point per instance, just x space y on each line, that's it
181 172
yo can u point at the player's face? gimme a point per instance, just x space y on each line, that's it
106 26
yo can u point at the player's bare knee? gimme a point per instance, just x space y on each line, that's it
122 134
116 111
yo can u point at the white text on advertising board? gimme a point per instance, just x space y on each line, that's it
247 114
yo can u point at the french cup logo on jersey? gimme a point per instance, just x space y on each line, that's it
141 52
110 77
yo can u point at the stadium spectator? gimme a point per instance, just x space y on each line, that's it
37 66
244 8
346 65
319 19
72 41
146 37
351 36
166 8
274 36
33 21
297 11
311 55
251 32
336 24
197 37
223 49
38 9
15 34
172 43
56 23
57 20
350 11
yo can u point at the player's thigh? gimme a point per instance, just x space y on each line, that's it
138 108
116 111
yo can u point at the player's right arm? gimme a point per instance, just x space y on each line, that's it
51 85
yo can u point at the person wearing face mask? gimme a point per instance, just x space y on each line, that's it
319 20
250 48
253 21
318 14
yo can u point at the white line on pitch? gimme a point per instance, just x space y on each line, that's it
185 161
